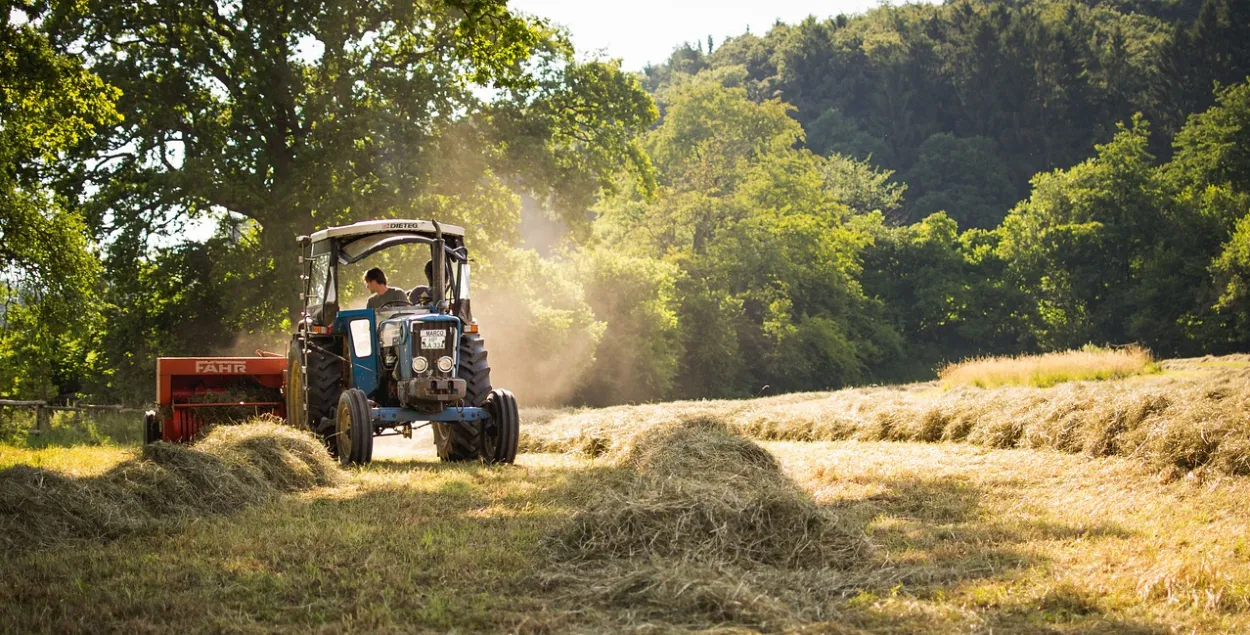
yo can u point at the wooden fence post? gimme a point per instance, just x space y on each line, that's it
41 419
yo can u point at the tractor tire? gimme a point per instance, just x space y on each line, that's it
354 425
456 441
500 431
474 369
459 441
324 374
151 427
293 387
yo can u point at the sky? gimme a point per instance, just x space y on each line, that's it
646 31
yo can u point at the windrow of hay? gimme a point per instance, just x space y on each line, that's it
1088 363
701 493
232 467
1175 423
693 507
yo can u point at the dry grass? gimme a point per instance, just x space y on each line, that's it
964 539
232 467
1089 363
1195 416
666 520
1023 541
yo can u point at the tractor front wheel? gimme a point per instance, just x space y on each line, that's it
354 428
501 429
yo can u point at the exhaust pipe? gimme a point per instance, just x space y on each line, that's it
438 279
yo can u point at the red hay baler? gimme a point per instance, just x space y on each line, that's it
188 389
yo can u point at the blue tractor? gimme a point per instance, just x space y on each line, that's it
356 374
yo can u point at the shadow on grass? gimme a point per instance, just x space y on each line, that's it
934 539
423 545
402 546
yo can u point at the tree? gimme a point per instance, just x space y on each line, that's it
944 292
964 177
1214 146
637 358
835 133
863 188
1232 274
47 271
767 255
1078 244
298 116
1210 174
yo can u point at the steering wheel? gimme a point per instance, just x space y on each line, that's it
399 303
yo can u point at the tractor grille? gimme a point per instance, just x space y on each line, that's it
431 355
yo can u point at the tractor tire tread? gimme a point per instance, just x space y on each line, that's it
502 406
360 427
460 441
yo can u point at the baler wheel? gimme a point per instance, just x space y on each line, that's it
355 428
498 439
151 427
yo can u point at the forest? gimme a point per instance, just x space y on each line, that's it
848 200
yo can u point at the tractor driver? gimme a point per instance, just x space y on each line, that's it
375 281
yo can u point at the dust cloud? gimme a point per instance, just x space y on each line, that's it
247 344
525 358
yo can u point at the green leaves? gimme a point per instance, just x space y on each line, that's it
286 117
47 269
768 260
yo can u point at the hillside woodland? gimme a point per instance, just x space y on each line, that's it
848 200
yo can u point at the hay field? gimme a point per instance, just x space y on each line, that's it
1192 416
1046 370
683 518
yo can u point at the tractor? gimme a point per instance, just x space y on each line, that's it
355 374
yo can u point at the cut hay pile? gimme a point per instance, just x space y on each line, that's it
700 493
700 522
1188 420
232 467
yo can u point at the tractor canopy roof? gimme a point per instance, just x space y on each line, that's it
359 240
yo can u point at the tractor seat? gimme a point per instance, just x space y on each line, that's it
418 292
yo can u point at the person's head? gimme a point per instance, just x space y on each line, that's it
375 280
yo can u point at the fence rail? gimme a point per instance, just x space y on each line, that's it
43 408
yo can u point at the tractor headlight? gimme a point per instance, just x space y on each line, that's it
444 364
420 365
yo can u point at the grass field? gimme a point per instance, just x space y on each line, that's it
687 518
1044 371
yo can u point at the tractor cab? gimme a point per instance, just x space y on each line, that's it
350 244
358 373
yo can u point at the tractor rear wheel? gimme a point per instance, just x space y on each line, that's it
354 428
294 387
323 373
474 369
501 430
459 441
